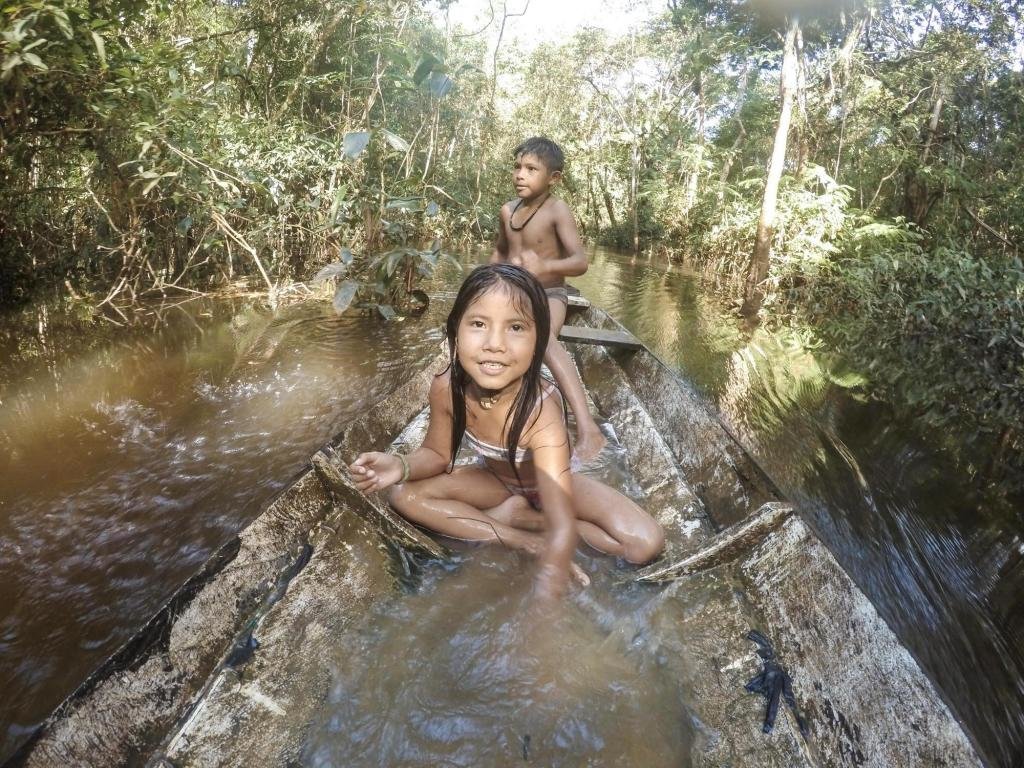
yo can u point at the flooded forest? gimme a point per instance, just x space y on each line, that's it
812 210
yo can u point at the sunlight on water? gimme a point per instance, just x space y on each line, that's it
470 672
127 463
128 455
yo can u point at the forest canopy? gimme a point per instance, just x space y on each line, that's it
855 166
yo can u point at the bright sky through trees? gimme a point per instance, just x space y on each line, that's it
546 21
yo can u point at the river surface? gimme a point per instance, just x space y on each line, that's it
128 454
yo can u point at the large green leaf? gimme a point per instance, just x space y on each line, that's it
394 259
405 203
354 143
344 295
427 64
396 141
101 49
34 60
331 270
440 84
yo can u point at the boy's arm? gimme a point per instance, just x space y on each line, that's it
500 252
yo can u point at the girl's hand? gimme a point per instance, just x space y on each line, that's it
552 582
375 471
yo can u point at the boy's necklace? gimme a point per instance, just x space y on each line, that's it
519 204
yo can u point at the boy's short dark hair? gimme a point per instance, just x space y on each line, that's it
545 149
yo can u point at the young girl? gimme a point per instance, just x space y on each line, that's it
521 493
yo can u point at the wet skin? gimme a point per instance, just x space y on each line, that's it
495 346
538 232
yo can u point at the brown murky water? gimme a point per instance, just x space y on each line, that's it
128 461
468 672
128 455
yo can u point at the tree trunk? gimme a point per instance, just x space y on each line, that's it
845 59
634 183
757 270
694 179
917 199
608 204
803 148
592 206
734 150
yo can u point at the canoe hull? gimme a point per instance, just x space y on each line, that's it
170 695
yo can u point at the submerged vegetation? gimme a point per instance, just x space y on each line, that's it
853 166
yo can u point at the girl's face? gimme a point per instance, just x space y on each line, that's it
496 339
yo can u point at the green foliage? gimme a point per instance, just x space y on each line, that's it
148 146
198 145
941 328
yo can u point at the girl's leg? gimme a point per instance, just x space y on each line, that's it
612 523
589 439
606 520
458 504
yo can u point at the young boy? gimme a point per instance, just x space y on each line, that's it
538 232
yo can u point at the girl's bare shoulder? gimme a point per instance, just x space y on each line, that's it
550 419
441 390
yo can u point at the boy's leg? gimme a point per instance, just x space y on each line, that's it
589 439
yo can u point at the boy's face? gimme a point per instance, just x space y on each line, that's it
531 177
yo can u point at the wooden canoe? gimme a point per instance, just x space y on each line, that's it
321 553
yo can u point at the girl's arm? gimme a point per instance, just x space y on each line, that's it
375 471
549 441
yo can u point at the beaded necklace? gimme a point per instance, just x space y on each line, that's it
519 204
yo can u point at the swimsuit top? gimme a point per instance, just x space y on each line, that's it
499 452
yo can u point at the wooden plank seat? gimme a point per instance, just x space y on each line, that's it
580 335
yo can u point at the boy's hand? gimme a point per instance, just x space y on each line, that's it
375 471
530 261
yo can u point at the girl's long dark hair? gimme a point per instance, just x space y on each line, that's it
529 297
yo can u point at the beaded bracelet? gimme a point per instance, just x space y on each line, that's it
405 468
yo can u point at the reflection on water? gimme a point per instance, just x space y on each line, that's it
940 561
127 455
470 672
128 460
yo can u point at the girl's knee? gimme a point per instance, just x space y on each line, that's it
400 496
645 544
396 496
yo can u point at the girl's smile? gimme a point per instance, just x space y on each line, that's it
496 340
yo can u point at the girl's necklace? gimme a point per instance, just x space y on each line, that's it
489 401
519 204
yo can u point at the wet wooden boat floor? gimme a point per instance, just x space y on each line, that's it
282 707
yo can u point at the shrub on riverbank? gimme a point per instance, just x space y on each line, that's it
937 326
146 147
941 327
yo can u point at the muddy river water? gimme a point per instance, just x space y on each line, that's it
129 454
